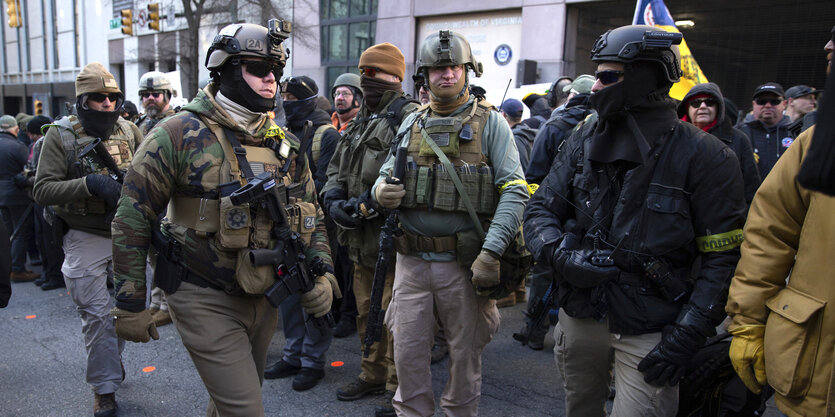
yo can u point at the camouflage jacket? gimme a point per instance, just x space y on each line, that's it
182 157
146 123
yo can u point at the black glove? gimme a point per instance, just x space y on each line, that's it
363 206
583 268
105 188
667 362
341 214
19 180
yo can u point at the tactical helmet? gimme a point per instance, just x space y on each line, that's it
632 43
348 79
446 48
156 81
249 40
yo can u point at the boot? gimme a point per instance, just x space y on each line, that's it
40 281
52 284
23 276
105 405
345 327
383 408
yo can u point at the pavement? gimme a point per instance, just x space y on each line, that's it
42 370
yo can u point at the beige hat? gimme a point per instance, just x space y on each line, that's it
94 78
386 57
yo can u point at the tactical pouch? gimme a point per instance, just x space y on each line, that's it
444 132
487 196
254 280
303 220
235 222
467 247
423 189
410 185
444 195
470 179
167 274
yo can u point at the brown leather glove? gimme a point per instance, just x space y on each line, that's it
486 269
389 195
134 327
317 302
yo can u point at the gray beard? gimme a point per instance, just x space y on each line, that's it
152 111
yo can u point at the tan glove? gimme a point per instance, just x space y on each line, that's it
317 302
134 327
746 353
486 269
389 195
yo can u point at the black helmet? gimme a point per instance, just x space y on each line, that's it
632 43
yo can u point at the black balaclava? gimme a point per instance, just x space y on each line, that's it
374 88
98 124
233 86
296 111
632 114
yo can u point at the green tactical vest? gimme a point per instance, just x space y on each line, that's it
316 145
428 185
120 145
361 151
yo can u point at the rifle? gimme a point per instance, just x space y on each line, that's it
376 314
288 258
107 159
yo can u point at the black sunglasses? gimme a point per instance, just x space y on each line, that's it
608 77
99 97
773 101
155 94
698 102
260 69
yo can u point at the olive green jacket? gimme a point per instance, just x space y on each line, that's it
354 168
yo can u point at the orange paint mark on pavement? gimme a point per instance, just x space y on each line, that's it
31 316
149 369
337 364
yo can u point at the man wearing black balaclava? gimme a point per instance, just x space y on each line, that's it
630 203
299 96
82 194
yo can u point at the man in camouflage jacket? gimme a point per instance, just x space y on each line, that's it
217 302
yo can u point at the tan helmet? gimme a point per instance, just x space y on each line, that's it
156 81
446 48
249 40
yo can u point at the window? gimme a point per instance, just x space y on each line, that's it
347 29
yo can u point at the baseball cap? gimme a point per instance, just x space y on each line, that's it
581 85
800 91
7 122
512 107
772 88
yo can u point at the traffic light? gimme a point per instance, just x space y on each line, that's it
13 10
38 107
153 16
127 22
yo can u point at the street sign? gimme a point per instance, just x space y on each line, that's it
115 23
169 16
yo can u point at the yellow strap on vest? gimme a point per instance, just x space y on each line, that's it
720 242
512 183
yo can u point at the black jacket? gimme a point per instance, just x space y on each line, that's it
524 136
737 140
769 143
330 138
690 187
552 134
13 157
